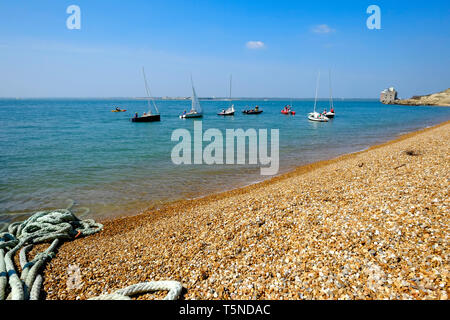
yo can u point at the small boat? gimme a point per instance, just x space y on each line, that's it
191 115
252 111
196 110
230 110
120 110
288 112
318 117
330 114
147 116
315 116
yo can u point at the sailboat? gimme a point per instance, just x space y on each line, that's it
149 116
196 110
330 114
315 116
230 110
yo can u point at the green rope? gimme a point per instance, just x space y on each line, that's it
43 226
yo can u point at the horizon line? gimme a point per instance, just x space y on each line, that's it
188 98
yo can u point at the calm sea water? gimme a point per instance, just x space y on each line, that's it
58 149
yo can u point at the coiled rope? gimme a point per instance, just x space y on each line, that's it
43 226
55 226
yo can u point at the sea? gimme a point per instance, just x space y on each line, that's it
59 151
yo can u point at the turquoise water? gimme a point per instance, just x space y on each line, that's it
58 149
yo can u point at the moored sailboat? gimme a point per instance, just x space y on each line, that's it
315 116
147 116
230 110
196 110
330 114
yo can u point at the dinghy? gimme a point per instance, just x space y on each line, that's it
196 110
330 114
315 116
288 111
147 116
230 110
253 111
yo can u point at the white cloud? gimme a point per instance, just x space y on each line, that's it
322 29
255 45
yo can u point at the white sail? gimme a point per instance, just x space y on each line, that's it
195 103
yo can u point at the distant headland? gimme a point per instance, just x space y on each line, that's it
436 99
389 96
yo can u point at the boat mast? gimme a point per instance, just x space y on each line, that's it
331 94
231 77
317 86
149 94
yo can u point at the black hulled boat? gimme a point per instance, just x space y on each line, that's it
147 118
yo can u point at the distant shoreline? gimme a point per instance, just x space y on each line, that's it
188 98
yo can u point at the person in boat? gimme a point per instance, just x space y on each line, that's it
256 108
136 115
332 110
117 109
184 112
223 110
324 112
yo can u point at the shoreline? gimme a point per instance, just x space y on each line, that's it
349 227
282 176
409 103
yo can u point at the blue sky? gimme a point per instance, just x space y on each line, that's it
289 42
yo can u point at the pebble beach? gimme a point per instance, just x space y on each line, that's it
368 225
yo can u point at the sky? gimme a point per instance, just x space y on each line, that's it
271 48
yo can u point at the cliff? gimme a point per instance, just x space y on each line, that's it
436 99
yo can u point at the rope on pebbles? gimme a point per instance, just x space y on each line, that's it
55 226
174 288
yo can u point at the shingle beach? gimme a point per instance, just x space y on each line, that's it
369 225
